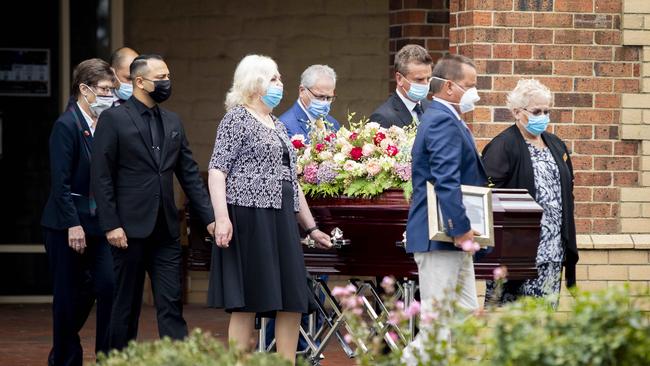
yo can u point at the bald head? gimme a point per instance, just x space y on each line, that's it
121 60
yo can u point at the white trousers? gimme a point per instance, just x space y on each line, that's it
444 275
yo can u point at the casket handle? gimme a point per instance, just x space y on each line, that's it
401 243
337 238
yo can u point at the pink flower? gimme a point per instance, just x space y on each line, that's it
319 147
393 336
310 173
356 153
399 305
392 150
470 246
428 317
357 311
353 136
413 309
379 136
388 284
394 317
348 338
373 167
330 137
368 149
351 288
500 273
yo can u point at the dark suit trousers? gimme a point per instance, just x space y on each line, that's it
78 280
160 256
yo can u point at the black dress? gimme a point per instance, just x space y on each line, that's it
263 269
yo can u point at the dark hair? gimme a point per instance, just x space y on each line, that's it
139 65
91 72
411 53
117 57
449 67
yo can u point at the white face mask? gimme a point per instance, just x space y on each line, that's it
100 104
468 100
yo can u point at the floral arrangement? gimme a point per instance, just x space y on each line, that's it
363 160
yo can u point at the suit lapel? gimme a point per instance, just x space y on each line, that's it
402 112
167 128
84 130
143 129
302 118
464 129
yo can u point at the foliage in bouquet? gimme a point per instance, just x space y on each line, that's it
363 160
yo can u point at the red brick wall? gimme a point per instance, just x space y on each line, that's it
423 22
573 47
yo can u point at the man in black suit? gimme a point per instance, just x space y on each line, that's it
139 147
413 67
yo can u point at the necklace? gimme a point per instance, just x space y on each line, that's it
265 119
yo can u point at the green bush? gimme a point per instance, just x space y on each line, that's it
604 328
601 328
198 349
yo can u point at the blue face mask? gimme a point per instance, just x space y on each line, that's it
537 124
125 91
273 96
417 92
319 108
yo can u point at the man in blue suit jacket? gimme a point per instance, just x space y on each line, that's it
444 153
315 98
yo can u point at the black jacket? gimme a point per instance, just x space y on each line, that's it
508 165
129 185
70 152
394 112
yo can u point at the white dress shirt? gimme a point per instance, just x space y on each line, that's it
89 120
410 105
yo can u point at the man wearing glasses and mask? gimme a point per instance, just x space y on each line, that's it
315 98
412 74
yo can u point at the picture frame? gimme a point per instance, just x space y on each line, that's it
478 205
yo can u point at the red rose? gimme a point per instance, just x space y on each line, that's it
392 150
356 153
319 147
297 144
330 137
353 136
379 136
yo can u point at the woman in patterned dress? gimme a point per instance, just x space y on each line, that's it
525 155
258 265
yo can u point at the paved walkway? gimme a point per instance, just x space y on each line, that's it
25 333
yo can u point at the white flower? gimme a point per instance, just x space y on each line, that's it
346 148
339 158
372 125
386 142
298 137
350 165
325 155
373 167
368 149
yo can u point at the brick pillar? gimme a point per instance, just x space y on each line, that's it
573 47
423 22
635 202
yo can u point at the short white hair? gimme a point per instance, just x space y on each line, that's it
527 89
252 75
314 72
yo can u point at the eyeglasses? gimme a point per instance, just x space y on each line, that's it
324 98
103 90
538 111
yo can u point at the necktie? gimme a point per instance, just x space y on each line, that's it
418 110
155 134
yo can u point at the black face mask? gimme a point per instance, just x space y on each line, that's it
162 90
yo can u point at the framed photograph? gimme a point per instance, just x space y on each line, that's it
478 206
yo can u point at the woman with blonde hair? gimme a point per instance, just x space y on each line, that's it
525 155
258 265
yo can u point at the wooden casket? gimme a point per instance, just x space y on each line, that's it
374 226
